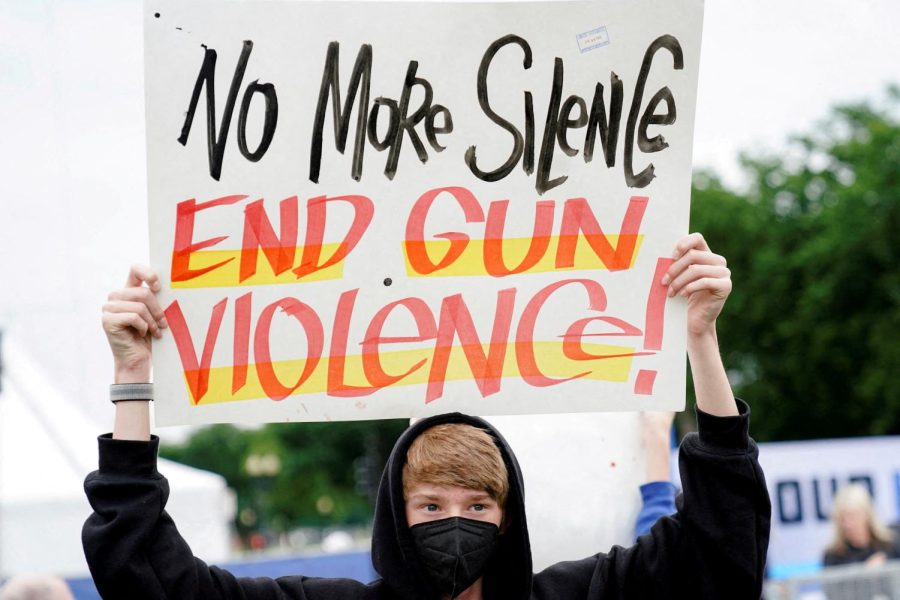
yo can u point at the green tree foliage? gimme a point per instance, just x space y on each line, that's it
325 473
812 330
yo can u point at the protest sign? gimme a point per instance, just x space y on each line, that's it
370 210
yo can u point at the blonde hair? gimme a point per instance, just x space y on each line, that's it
35 587
456 455
855 497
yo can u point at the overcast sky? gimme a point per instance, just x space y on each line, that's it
71 102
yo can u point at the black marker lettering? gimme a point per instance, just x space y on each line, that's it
567 122
518 143
360 78
270 120
658 142
431 130
646 176
608 129
408 123
528 159
544 183
207 76
393 116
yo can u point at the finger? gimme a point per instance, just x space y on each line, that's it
140 274
117 322
146 297
716 286
139 308
693 241
697 271
692 257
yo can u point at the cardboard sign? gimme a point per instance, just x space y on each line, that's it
371 210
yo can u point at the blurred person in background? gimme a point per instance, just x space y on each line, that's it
658 493
859 536
35 587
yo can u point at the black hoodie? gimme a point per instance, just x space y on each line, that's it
714 547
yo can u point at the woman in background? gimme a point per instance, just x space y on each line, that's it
859 537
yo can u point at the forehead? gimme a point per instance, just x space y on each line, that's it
447 493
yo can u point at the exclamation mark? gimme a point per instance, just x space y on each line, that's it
653 325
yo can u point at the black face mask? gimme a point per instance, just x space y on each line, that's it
454 551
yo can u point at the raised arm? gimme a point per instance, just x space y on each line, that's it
132 546
723 516
703 278
131 317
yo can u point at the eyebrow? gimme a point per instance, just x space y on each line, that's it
424 497
477 496
481 496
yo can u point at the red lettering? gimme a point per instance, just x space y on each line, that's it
241 345
184 236
197 375
337 357
370 346
416 251
575 333
493 238
528 367
453 325
456 321
363 209
656 307
453 331
312 328
259 233
578 217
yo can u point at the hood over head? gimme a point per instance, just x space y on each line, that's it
508 575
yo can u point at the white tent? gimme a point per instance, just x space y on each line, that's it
47 446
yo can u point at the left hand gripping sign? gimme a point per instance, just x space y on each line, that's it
372 210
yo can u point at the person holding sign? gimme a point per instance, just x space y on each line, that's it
450 515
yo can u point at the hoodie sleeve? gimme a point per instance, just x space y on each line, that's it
132 546
724 511
714 546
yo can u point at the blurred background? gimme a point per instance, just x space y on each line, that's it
797 182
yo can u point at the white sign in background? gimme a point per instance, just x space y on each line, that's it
802 478
319 318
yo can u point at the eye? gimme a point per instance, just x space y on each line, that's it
431 507
479 507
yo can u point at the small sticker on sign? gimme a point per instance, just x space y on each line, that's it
595 38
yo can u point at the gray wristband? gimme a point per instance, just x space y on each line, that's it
124 392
